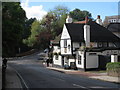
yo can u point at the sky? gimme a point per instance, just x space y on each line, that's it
39 9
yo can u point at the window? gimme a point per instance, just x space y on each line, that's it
65 43
99 44
79 59
56 57
69 47
105 44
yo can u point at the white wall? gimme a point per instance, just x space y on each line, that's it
87 35
65 36
71 60
91 60
81 53
57 50
65 51
114 58
57 62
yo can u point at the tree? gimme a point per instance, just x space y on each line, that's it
59 10
13 20
48 28
60 14
35 30
27 28
79 15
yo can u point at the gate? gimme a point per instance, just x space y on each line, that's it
118 58
103 60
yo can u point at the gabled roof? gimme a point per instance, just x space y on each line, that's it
98 33
114 27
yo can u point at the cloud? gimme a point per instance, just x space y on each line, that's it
34 11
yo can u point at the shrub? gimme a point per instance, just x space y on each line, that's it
113 65
113 69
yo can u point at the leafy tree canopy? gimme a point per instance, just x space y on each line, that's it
13 20
79 15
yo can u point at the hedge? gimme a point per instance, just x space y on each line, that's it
113 69
113 65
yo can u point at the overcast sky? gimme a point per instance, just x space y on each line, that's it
39 8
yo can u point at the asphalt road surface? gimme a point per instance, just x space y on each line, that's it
35 75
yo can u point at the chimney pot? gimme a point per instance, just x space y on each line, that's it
98 20
86 19
98 16
68 20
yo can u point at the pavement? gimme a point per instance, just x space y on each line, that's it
12 79
94 75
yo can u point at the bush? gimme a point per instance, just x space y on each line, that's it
113 69
114 65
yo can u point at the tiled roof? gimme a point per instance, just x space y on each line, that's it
98 33
114 27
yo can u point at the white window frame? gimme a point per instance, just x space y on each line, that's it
79 59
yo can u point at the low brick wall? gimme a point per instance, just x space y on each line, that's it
114 72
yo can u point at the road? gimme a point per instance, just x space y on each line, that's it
35 75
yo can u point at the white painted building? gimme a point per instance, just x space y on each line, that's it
90 35
85 44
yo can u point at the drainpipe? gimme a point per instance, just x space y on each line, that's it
85 60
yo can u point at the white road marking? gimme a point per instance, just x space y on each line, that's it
22 79
78 86
97 87
59 79
81 86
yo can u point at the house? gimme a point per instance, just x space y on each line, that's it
85 44
57 58
114 28
111 19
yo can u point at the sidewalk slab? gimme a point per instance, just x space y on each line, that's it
99 76
74 72
107 78
12 80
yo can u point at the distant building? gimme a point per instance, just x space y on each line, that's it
111 19
114 28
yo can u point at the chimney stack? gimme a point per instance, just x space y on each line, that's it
87 33
68 19
86 19
99 20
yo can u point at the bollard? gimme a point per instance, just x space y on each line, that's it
4 66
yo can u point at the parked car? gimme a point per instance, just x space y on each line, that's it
46 50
